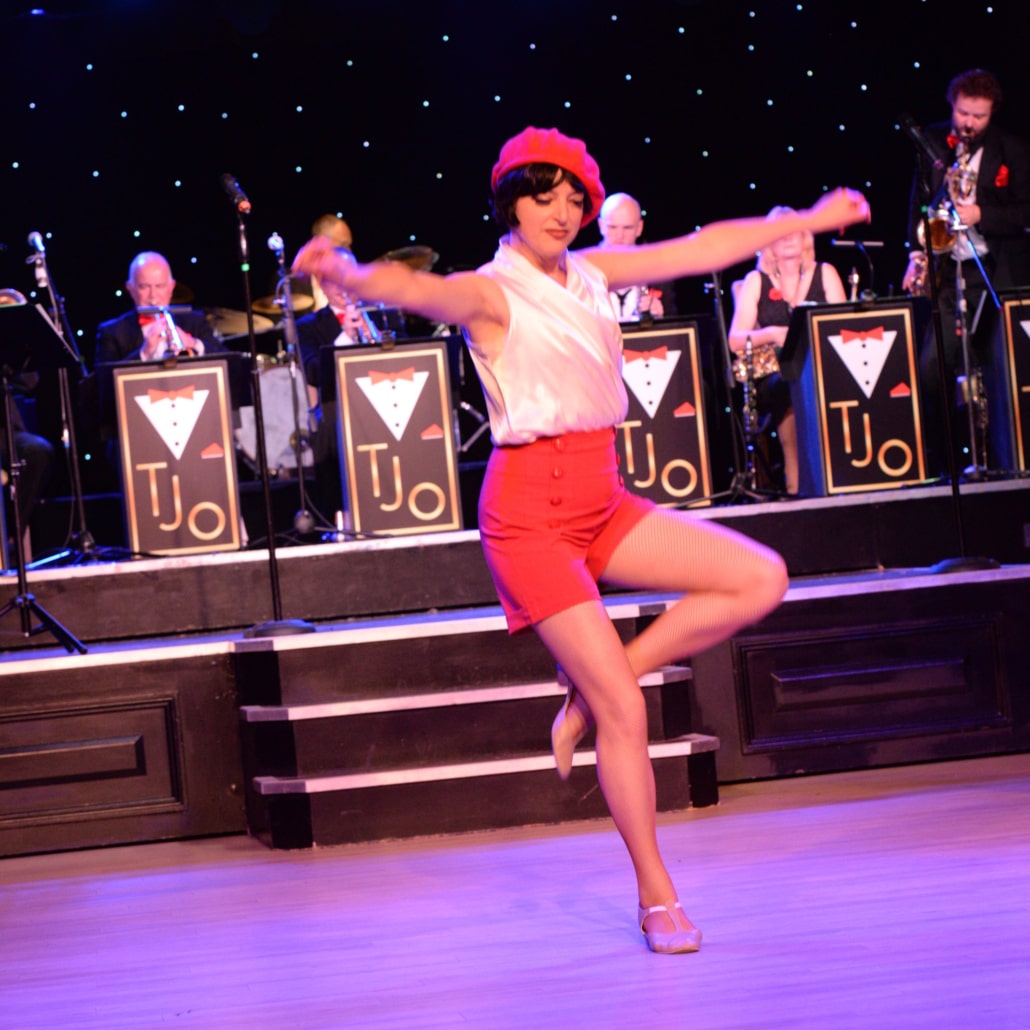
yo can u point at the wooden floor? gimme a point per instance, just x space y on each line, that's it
894 897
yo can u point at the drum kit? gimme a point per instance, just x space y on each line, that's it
278 384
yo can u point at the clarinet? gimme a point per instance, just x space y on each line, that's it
750 412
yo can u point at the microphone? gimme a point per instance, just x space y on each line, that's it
926 146
856 243
275 243
239 198
38 258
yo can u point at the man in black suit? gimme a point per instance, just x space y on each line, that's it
138 335
621 224
989 169
339 323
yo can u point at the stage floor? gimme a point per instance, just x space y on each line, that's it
892 897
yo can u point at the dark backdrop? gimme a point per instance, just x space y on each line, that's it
121 116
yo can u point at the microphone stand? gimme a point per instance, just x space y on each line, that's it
82 546
928 159
303 521
861 246
278 626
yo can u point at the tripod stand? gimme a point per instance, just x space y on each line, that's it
23 602
743 486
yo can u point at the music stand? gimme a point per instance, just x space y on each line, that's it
28 342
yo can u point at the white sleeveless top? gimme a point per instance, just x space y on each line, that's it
559 369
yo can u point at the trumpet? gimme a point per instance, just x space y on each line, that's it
368 331
175 346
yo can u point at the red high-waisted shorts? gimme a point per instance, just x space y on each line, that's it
551 514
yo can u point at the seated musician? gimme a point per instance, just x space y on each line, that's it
787 274
340 323
621 224
147 335
35 453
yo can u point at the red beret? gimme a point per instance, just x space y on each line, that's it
549 146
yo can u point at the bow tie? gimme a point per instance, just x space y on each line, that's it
185 392
847 335
392 377
646 355
145 320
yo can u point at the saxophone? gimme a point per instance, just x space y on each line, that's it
943 216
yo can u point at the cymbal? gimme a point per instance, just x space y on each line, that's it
419 258
228 323
182 294
271 306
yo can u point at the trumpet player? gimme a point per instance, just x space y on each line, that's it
621 224
340 323
151 331
983 184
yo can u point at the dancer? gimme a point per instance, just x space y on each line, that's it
554 517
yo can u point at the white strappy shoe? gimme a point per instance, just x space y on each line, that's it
676 942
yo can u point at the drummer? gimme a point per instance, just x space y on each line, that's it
337 231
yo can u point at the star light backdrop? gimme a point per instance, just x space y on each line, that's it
121 117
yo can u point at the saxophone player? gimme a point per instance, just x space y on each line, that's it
986 179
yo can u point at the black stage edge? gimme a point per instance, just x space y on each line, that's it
171 596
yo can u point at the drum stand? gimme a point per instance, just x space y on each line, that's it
742 488
482 422
24 602
303 521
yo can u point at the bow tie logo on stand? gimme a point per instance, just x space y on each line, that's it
864 353
185 393
392 377
661 353
175 421
394 394
648 373
848 335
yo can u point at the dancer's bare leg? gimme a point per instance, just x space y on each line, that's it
729 582
589 649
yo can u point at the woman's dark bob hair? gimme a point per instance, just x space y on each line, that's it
530 181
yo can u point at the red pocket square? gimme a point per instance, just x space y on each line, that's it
1002 178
